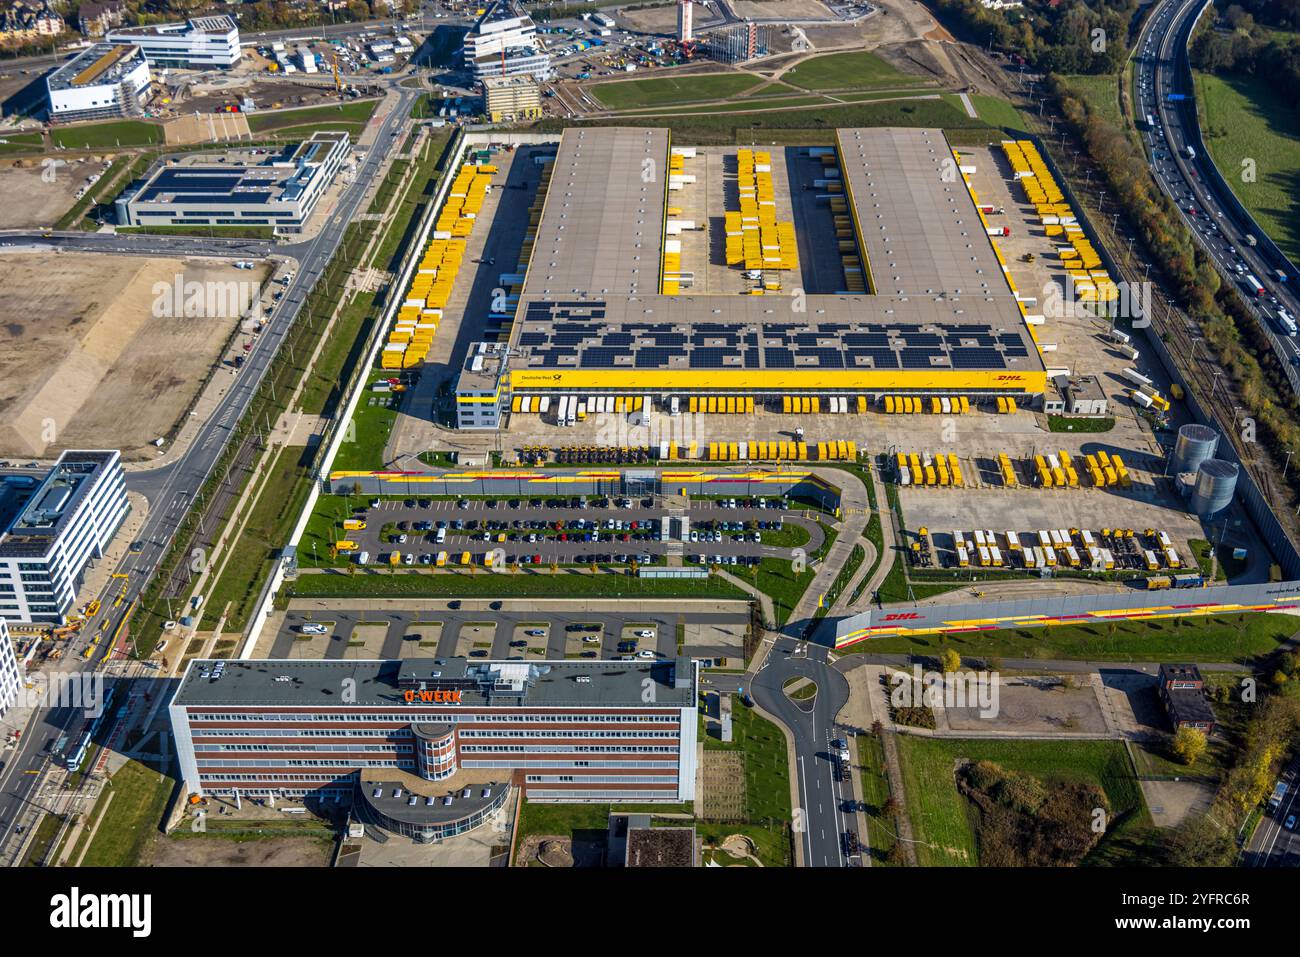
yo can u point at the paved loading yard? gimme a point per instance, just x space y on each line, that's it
412 628
714 192
493 248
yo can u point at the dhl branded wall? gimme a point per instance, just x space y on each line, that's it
588 482
1078 610
776 381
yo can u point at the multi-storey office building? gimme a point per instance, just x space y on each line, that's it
433 729
9 673
247 189
69 520
503 42
103 80
198 44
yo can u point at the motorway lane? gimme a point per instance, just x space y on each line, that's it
1272 844
1161 59
171 487
821 825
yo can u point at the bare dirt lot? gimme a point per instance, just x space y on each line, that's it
86 363
32 197
209 851
784 9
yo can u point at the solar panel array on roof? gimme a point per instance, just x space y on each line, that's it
942 304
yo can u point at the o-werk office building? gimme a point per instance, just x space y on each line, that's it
431 747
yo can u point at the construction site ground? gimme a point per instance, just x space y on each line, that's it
39 190
86 362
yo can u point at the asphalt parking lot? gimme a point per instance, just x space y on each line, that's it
525 531
450 628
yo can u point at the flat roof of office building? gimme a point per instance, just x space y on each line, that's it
277 177
485 683
97 65
941 301
50 505
216 26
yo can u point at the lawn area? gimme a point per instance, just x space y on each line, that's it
1100 93
255 551
140 796
875 792
1074 423
855 70
1227 638
1248 117
355 113
102 135
566 820
842 578
340 353
801 127
363 448
941 817
669 91
738 106
20 143
410 584
997 112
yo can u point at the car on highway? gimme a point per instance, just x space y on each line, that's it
312 628
1289 824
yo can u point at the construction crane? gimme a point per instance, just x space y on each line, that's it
338 85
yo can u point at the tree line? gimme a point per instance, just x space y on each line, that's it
1238 44
1067 37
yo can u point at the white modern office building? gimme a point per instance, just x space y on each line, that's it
10 676
68 520
104 80
200 44
503 42
239 188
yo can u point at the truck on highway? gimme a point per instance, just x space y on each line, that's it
1279 275
1175 97
1189 152
1278 796
1250 240
1253 285
1287 322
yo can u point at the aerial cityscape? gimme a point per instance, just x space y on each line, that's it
672 434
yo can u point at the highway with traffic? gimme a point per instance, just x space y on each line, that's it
170 488
1166 111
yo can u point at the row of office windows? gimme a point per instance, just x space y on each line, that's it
569 748
226 748
600 779
570 764
541 717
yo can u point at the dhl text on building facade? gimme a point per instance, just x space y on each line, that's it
967 617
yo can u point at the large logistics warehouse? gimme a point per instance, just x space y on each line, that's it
933 311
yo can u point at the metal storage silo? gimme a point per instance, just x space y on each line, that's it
1195 444
1216 480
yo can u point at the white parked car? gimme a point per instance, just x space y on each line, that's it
644 633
